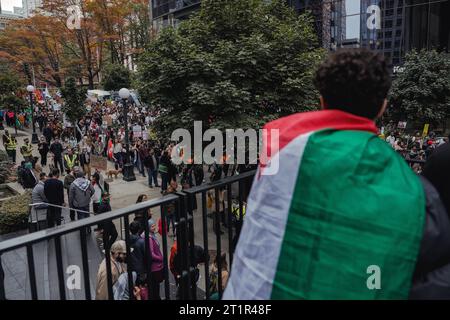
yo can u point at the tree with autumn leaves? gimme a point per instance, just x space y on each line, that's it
110 31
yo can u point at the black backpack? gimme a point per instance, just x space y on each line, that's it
29 182
147 162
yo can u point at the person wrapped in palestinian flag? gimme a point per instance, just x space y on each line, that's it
343 216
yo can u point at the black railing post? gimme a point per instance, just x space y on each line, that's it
218 241
59 267
129 271
230 224
107 247
205 242
193 263
84 256
182 241
164 233
241 208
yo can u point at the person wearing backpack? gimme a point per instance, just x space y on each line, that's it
29 179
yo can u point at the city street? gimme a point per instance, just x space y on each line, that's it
123 194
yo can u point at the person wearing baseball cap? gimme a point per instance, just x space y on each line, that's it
118 255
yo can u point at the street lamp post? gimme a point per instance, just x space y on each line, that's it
34 137
128 168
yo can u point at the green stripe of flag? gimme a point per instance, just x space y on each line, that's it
352 207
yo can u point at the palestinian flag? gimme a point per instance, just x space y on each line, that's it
342 202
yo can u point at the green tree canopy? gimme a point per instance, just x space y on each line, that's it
236 63
422 90
74 98
10 84
116 77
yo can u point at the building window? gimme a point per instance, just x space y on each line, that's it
399 22
388 34
388 24
397 43
389 12
388 44
398 33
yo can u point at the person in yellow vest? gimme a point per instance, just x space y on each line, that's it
70 159
27 151
10 144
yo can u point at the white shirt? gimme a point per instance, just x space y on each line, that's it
96 197
118 148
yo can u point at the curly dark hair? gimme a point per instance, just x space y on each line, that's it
354 80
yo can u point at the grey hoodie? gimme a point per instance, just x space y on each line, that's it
80 193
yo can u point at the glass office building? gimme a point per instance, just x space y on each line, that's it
171 12
393 27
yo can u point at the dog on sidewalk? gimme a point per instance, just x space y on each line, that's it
113 172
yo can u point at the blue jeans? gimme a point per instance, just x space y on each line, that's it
152 176
82 215
118 163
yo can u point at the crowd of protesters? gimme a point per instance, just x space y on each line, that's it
415 148
101 132
64 152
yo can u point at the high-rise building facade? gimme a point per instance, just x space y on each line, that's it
30 6
329 19
404 25
328 16
170 12
6 17
392 27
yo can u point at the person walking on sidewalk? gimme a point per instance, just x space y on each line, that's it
68 180
85 160
54 192
27 150
70 159
56 148
43 150
151 163
80 194
10 144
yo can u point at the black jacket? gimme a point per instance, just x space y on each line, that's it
29 181
48 133
137 257
431 279
151 162
84 160
57 149
437 171
54 191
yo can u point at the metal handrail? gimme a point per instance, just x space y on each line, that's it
220 183
184 226
36 237
56 206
